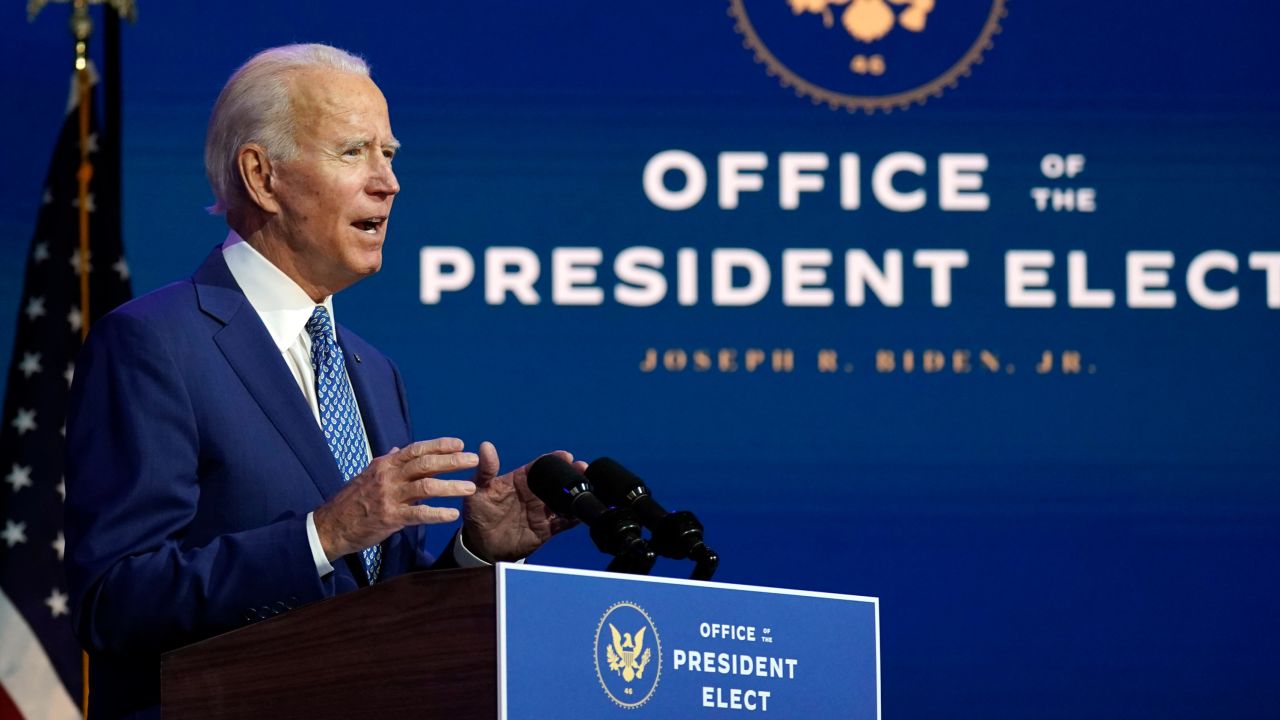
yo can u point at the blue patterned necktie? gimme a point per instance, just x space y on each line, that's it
339 418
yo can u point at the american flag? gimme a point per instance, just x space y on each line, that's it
40 660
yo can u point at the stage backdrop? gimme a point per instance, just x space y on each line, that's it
970 305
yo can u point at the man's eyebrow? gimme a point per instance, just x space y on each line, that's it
360 143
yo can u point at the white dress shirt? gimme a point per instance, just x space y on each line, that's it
285 309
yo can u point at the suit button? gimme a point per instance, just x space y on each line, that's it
278 608
250 616
265 611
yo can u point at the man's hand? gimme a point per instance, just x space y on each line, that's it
383 498
504 520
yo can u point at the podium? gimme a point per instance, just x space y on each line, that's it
521 641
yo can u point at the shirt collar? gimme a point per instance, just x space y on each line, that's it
283 306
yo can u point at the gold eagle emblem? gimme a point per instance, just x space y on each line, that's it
627 655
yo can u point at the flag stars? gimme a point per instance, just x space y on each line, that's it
14 533
47 198
121 268
75 261
35 308
74 319
25 421
70 373
19 477
59 546
30 364
40 252
92 142
57 602
75 203
61 487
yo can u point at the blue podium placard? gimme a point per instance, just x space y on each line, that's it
580 644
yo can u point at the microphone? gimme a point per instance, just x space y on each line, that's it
675 534
614 530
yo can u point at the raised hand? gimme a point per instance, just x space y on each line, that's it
504 520
384 497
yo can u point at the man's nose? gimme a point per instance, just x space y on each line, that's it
383 180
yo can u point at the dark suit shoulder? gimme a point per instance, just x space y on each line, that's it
164 304
170 315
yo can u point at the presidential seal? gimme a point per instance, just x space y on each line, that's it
868 54
628 655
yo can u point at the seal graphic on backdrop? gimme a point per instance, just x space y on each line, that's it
628 655
868 54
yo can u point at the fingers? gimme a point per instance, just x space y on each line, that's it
427 515
563 455
422 448
427 488
438 464
487 465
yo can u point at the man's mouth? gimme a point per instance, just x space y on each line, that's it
370 225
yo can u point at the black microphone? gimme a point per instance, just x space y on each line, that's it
614 530
675 534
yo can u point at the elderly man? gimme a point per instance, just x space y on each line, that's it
234 453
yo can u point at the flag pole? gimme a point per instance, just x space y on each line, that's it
82 27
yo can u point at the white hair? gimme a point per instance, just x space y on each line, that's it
256 106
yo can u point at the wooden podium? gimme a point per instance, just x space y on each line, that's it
521 642
420 645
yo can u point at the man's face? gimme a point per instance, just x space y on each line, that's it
336 195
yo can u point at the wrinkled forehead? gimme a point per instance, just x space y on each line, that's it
328 100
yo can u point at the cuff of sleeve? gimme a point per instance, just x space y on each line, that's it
317 550
467 559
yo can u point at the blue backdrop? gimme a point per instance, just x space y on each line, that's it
1092 537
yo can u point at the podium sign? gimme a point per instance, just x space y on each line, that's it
582 644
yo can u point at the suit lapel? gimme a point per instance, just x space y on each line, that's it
372 410
381 415
253 356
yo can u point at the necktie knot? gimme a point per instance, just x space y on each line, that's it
320 327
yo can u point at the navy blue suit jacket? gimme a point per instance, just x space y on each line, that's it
192 463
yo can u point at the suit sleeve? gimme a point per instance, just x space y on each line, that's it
138 585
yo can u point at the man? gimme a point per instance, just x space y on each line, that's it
232 453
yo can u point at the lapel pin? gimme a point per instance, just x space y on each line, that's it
357 355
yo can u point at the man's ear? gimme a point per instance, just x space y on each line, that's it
255 173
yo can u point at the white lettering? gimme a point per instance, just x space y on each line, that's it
723 262
799 172
1079 294
639 268
573 270
443 269
734 177
695 180
940 264
803 274
1198 287
1268 262
1025 278
960 180
882 181
860 272
1147 279
500 277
